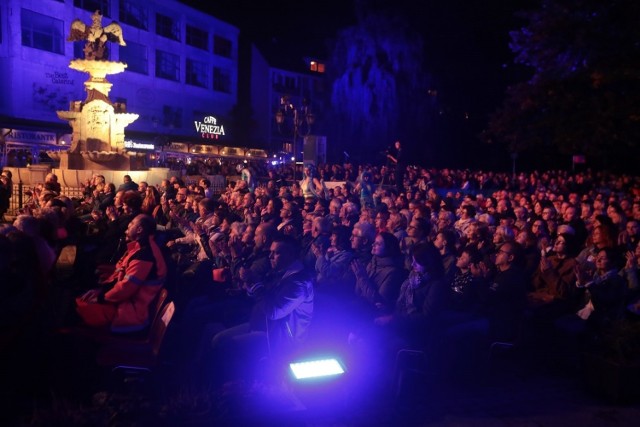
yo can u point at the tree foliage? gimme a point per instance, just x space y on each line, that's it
379 91
583 96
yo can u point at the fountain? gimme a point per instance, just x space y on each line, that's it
98 124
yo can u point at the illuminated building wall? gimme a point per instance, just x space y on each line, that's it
182 65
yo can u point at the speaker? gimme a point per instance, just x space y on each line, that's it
315 149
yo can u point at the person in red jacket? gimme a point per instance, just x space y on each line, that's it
122 302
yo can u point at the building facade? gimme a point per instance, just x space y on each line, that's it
295 90
182 71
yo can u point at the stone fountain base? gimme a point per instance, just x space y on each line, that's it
95 160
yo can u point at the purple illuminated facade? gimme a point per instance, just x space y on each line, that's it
182 67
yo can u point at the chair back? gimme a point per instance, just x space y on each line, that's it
160 299
159 327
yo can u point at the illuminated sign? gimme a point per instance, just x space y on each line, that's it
17 135
178 147
131 145
209 128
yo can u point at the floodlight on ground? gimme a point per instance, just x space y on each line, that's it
320 368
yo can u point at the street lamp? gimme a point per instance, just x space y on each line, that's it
301 118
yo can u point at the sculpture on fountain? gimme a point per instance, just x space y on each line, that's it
96 36
98 123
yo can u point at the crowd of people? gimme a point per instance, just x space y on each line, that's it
383 257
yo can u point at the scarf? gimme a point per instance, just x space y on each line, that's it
404 304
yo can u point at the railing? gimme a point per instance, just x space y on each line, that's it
18 196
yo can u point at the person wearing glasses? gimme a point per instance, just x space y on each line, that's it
418 231
362 237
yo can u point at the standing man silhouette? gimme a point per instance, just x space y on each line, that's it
397 158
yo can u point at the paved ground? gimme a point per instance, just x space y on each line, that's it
512 391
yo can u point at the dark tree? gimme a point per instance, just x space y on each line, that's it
584 94
380 91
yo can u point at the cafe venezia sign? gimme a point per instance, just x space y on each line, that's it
209 128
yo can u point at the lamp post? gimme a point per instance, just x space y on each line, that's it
514 157
300 116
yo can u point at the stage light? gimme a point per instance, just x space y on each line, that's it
316 368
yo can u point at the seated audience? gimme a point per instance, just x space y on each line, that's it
122 302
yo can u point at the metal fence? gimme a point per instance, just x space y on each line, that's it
19 198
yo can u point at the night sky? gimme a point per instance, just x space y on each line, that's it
466 41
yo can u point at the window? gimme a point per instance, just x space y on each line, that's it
198 115
318 86
167 27
167 65
278 83
171 117
222 46
221 80
290 83
93 5
197 38
196 73
318 67
134 14
136 57
41 31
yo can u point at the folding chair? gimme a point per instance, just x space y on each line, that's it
103 335
137 357
409 364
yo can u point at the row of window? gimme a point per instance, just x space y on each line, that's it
47 33
168 67
42 32
136 14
